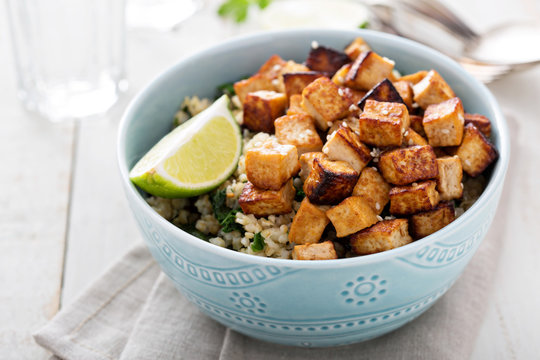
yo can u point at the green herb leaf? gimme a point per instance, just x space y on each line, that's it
238 9
227 89
225 215
258 243
263 3
364 25
300 194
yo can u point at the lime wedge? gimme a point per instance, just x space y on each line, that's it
194 158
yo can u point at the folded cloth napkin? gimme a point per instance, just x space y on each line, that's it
134 312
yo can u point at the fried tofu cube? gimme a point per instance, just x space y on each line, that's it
295 105
306 163
326 60
351 215
351 122
432 89
410 199
261 108
383 123
412 138
319 251
449 179
382 92
325 102
345 145
256 82
271 165
415 122
414 78
298 130
404 166
356 47
426 223
373 188
295 82
476 152
341 74
481 122
260 202
272 68
443 123
309 223
404 89
329 182
368 70
384 235
354 95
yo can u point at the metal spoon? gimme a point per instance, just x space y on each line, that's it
397 17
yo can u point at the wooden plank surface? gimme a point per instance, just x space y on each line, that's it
36 158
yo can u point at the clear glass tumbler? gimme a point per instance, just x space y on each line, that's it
69 55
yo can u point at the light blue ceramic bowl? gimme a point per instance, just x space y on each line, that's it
305 303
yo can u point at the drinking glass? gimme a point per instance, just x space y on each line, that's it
69 55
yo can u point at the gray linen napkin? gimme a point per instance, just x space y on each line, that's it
134 312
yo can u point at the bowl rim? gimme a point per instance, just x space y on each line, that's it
496 181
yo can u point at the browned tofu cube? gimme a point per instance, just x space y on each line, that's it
351 215
351 122
475 151
272 67
426 223
368 70
292 67
325 102
372 187
404 89
295 82
383 92
309 223
415 122
404 166
345 145
255 83
385 235
356 47
329 182
410 199
260 202
320 251
271 165
383 123
354 95
412 138
341 74
432 89
481 122
295 105
298 130
414 78
449 179
326 60
306 163
261 108
443 123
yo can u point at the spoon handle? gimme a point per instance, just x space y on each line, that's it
434 9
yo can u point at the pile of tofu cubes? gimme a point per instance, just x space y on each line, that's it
389 139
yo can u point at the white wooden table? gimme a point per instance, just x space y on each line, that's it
64 219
